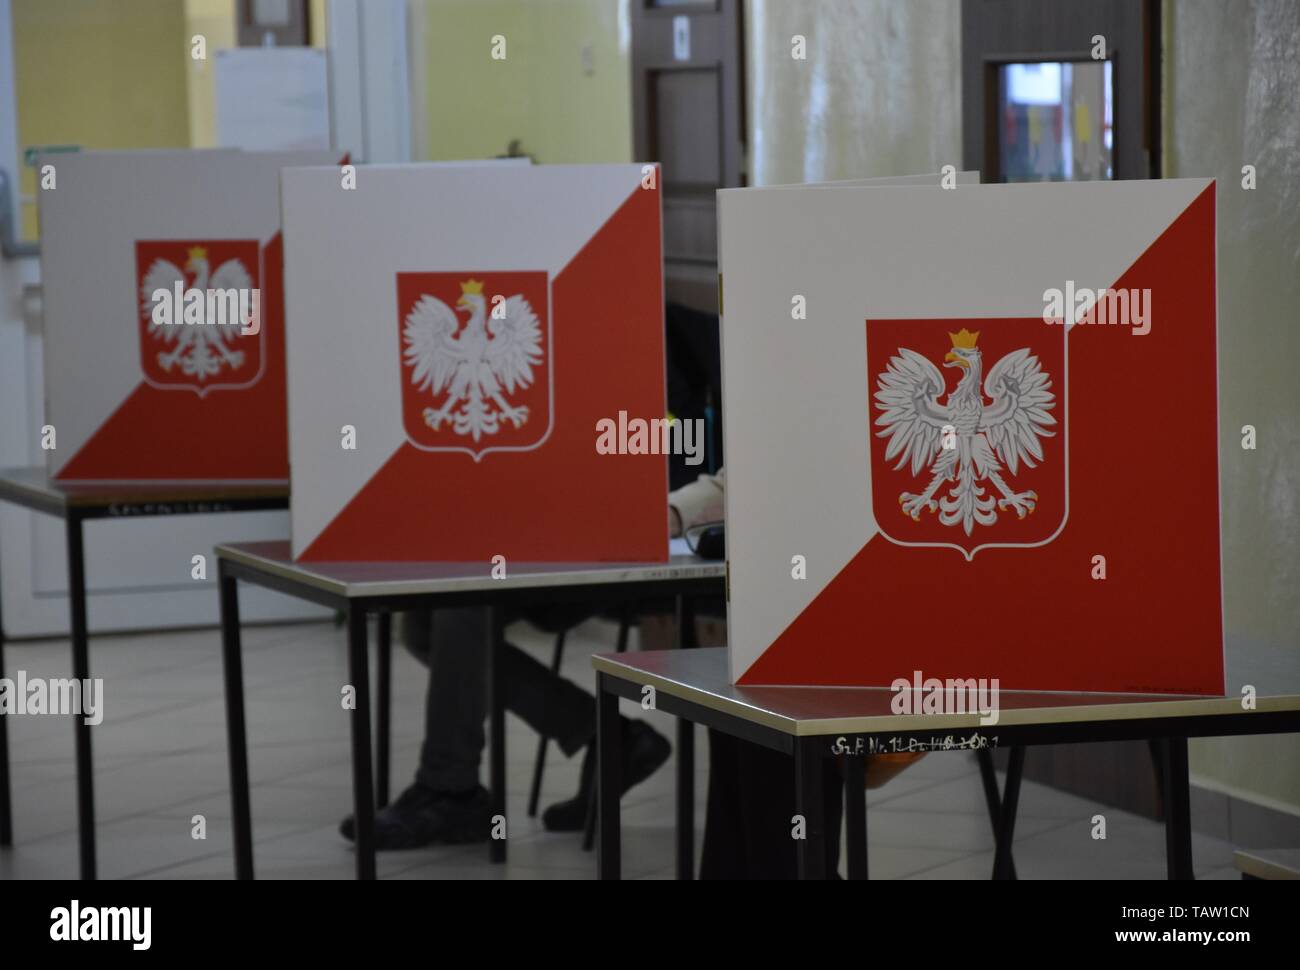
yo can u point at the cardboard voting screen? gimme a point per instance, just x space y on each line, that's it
455 336
924 475
139 389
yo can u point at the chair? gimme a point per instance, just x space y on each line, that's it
539 765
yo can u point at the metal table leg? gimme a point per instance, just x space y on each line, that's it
383 744
363 792
855 815
685 799
609 782
589 830
1178 814
497 731
994 802
1005 832
685 610
81 672
236 738
810 851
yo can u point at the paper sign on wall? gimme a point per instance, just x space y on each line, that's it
272 98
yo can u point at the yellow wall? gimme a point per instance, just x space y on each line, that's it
215 20
99 75
471 106
316 25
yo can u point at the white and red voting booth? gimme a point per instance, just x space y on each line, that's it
455 335
131 399
924 473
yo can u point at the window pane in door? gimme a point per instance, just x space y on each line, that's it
1055 121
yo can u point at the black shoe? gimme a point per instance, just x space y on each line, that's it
644 750
422 817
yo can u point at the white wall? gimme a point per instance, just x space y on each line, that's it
1232 77
878 94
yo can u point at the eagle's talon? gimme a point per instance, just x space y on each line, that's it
913 505
516 416
1021 502
434 417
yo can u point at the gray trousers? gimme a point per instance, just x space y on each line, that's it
451 643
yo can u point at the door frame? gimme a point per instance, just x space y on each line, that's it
996 32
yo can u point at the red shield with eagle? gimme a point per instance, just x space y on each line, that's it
476 366
968 432
192 337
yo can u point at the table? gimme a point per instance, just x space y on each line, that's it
1268 863
814 724
75 503
358 589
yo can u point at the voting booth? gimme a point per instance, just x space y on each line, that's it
973 433
164 315
457 335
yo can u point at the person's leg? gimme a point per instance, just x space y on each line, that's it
552 706
563 711
446 803
455 704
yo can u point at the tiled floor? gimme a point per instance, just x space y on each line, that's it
160 759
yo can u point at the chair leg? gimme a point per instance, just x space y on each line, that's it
589 829
539 765
624 626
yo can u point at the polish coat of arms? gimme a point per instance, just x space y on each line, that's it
967 459
475 360
200 356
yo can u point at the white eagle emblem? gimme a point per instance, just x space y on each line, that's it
965 442
491 357
200 352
